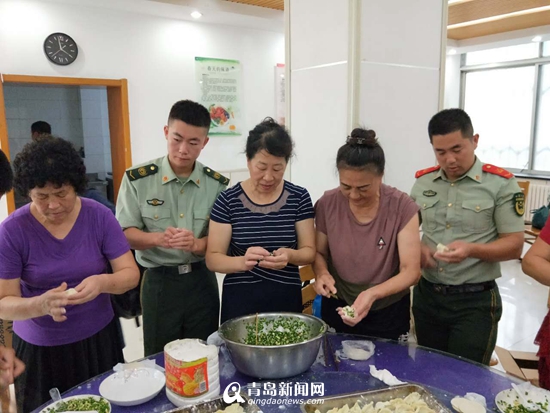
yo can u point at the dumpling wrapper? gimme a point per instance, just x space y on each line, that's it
349 311
462 405
71 291
442 248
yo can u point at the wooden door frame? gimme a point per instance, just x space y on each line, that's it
119 119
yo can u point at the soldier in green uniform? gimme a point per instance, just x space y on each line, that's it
472 218
164 208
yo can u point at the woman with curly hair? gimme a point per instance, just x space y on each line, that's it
56 256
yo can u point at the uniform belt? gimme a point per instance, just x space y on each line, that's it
179 269
445 289
192 266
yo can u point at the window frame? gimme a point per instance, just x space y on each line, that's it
537 62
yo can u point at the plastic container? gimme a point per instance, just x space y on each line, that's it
192 371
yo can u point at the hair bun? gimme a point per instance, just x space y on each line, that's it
362 137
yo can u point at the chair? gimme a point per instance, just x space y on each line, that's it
308 292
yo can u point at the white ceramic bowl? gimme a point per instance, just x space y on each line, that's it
132 387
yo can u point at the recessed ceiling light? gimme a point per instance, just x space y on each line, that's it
196 15
536 39
451 51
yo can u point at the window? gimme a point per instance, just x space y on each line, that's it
503 54
500 105
506 92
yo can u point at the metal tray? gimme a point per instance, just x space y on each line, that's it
375 396
216 404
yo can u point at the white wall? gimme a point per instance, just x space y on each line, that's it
398 85
155 54
400 69
318 90
452 81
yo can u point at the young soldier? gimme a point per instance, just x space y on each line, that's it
164 207
475 210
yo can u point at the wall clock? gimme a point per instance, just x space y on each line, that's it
60 49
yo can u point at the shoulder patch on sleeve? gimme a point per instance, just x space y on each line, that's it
423 172
142 171
216 175
495 170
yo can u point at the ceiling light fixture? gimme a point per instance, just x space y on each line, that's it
196 15
536 39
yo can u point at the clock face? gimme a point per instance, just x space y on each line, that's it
60 49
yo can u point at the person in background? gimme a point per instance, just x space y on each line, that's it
368 245
536 264
10 366
6 175
261 230
163 206
40 128
475 211
60 258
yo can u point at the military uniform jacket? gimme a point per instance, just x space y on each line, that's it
152 198
476 208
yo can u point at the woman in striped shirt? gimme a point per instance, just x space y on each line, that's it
261 230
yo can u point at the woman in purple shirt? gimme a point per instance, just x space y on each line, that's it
56 256
368 245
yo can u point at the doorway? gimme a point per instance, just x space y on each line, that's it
118 119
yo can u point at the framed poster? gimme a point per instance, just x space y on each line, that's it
219 90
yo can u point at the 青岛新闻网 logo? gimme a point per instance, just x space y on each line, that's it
232 394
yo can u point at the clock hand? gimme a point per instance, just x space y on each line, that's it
67 53
59 42
58 52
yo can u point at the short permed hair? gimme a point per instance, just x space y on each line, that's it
449 121
49 160
190 112
6 174
271 137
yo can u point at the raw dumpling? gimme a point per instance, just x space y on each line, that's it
349 311
462 405
71 291
442 248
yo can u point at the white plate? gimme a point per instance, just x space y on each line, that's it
82 396
510 397
132 387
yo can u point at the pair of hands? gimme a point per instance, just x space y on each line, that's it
179 239
10 367
263 258
458 252
54 301
325 285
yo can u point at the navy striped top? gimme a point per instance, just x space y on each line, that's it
270 226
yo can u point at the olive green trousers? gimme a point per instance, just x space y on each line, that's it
464 324
177 306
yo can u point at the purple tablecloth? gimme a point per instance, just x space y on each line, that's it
444 375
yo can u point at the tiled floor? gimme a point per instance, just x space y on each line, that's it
524 308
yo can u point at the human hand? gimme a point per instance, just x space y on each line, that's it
164 238
276 261
324 285
88 289
183 239
10 367
427 257
362 306
53 302
253 256
458 252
